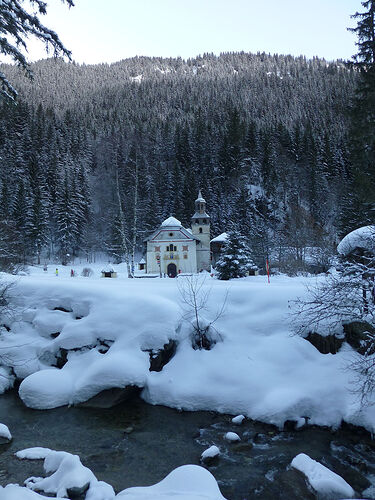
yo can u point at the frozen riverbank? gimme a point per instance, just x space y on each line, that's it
100 332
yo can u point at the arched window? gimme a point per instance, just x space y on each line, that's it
200 229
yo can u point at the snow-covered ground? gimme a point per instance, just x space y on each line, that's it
258 368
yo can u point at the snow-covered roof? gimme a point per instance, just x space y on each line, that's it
171 221
222 238
201 215
363 237
142 261
108 269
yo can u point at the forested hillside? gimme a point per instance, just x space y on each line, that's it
94 157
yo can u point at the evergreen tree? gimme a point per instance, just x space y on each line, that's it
16 24
362 133
235 260
37 224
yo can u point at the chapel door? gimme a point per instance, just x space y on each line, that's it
172 270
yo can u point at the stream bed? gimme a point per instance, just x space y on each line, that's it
136 444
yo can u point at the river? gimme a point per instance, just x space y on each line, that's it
138 444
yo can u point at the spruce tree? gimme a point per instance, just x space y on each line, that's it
362 133
235 260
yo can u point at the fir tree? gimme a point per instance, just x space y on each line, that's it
235 260
362 133
17 23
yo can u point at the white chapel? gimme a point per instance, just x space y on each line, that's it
172 249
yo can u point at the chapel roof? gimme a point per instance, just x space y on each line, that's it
171 222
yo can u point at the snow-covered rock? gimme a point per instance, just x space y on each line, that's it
323 481
210 454
68 475
5 435
188 482
232 437
238 419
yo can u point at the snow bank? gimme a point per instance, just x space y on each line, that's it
107 327
188 482
78 315
16 492
323 480
363 237
67 473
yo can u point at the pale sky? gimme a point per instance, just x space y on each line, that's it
110 30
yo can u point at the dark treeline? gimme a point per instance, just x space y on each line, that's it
94 157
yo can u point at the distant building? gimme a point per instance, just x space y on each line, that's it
173 249
216 246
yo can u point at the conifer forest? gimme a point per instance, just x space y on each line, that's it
94 157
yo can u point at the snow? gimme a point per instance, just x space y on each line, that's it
363 237
232 436
238 419
136 79
67 472
5 433
188 482
257 368
211 452
222 238
323 480
16 492
171 221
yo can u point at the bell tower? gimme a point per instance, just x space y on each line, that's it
200 225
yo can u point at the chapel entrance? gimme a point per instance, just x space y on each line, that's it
172 270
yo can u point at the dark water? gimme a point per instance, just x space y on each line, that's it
160 439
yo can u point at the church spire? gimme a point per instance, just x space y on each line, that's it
200 206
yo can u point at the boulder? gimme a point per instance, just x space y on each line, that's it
326 344
160 357
77 492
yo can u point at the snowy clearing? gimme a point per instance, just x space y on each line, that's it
106 328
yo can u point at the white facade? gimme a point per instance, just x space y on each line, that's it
172 249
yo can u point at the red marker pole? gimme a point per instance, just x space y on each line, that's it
268 270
